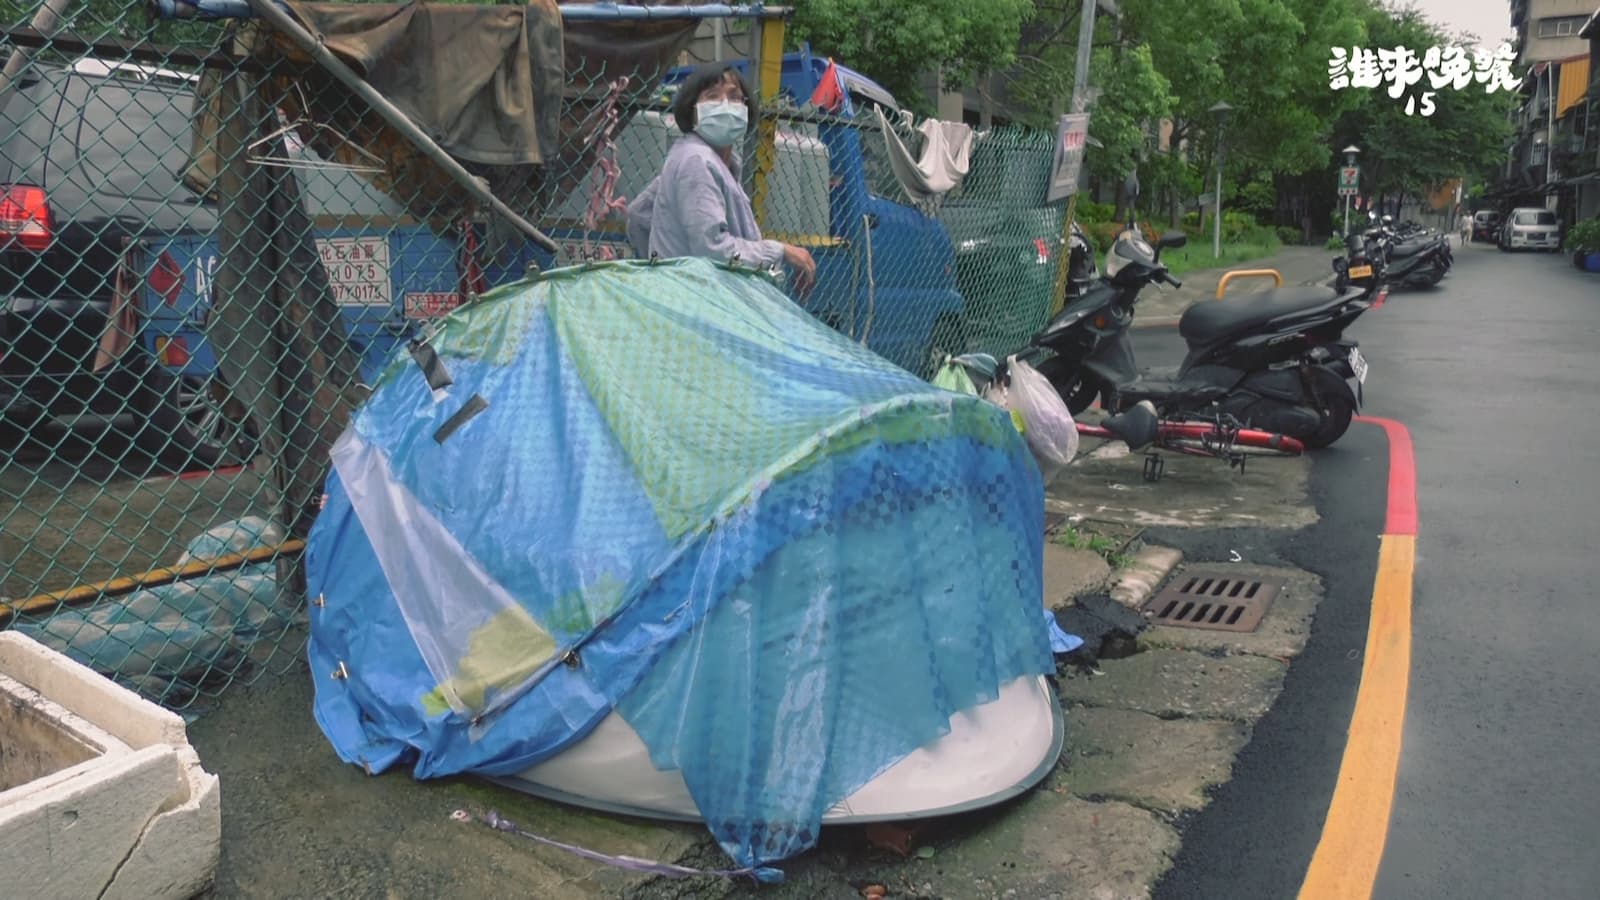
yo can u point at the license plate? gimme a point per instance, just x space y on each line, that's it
1359 364
1360 271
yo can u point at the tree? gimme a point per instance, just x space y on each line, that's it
1403 154
896 42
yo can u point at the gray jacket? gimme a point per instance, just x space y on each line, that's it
696 207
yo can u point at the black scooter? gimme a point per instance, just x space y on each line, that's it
1276 361
1411 259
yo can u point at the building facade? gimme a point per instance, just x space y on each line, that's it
1547 30
1551 159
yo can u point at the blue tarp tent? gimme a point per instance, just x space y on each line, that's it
662 489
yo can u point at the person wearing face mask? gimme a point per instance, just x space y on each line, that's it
697 206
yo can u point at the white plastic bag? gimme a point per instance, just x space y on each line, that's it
1049 429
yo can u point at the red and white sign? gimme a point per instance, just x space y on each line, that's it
431 304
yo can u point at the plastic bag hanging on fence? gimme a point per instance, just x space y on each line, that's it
1050 431
952 377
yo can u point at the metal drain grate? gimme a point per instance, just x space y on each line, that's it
1214 601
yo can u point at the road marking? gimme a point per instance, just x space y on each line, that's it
1345 864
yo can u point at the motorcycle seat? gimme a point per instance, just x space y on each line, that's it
1210 320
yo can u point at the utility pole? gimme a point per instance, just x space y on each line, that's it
1221 111
1080 100
1080 72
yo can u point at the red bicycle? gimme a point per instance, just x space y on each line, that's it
1219 437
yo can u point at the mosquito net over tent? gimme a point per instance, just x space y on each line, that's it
663 490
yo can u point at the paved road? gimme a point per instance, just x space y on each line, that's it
1496 375
1499 785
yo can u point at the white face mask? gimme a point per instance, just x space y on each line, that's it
720 122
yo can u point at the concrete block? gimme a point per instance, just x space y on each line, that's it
69 840
1173 683
41 738
1069 571
1133 584
132 719
177 855
1055 845
1156 764
100 793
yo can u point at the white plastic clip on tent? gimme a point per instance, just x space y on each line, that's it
650 538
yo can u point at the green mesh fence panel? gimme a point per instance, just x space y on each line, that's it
170 378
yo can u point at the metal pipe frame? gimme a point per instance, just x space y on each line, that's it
280 19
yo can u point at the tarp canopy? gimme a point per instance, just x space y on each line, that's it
666 490
509 90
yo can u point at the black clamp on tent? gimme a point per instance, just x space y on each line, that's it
474 405
432 367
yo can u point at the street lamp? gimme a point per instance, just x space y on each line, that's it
1221 112
1350 153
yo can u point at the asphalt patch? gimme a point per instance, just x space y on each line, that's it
1109 629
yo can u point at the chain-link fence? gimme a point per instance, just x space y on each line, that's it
212 242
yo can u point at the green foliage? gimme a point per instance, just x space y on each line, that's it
1334 243
117 20
1101 234
895 43
1289 236
1197 255
1090 211
1107 547
1585 236
1239 226
1465 134
1257 197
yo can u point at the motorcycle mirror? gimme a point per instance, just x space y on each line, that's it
1173 239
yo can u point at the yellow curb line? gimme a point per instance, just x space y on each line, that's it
1345 864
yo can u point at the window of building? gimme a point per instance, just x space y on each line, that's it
1561 26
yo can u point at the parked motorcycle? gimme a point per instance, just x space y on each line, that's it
1276 361
1411 258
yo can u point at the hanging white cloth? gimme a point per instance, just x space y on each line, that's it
946 152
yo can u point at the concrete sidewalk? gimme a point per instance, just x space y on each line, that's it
1162 305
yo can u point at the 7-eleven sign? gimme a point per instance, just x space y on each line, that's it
1349 178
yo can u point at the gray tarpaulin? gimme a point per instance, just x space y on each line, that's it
484 81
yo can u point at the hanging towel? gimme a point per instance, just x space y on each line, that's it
946 151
